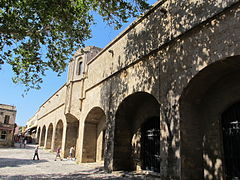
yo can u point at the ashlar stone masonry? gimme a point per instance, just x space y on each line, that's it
162 97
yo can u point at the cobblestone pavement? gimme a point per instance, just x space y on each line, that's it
16 164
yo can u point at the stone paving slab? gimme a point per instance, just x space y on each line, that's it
17 164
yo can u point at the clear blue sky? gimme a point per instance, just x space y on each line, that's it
11 93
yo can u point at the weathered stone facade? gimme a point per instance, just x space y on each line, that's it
31 130
179 64
7 124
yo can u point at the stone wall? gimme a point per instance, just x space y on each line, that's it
7 112
170 60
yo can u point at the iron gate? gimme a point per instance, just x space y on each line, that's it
150 144
231 141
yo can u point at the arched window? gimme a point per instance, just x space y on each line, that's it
79 67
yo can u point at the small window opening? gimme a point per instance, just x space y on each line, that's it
6 119
80 68
3 135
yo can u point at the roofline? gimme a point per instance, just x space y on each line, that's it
8 105
52 95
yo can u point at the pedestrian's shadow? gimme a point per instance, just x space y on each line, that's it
12 162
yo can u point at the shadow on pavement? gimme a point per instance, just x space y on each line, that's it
28 146
12 162
94 174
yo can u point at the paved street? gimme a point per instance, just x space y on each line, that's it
16 163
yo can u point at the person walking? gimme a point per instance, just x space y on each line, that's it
25 142
36 153
58 155
71 153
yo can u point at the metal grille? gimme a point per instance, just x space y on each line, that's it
231 141
150 145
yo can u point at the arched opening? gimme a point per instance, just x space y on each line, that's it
150 144
38 135
94 135
58 135
231 138
71 134
43 136
49 136
137 134
202 102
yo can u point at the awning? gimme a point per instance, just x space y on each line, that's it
31 130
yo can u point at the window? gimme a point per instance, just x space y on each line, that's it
80 68
6 119
3 135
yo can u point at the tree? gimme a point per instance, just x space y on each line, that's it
38 35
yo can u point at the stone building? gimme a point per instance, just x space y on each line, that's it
7 124
163 97
31 129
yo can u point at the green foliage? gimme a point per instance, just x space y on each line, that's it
38 35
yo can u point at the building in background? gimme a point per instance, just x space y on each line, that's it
30 131
7 124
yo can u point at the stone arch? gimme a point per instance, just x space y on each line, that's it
202 102
71 133
137 114
38 135
43 134
49 136
58 135
94 135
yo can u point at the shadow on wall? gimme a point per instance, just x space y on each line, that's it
164 70
140 77
131 118
202 103
43 134
71 134
38 134
49 136
58 135
94 135
181 59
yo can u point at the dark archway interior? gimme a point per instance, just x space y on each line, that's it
231 138
72 134
132 117
150 144
38 134
49 136
43 136
94 135
58 135
201 105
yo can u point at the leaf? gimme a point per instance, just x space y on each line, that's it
37 35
